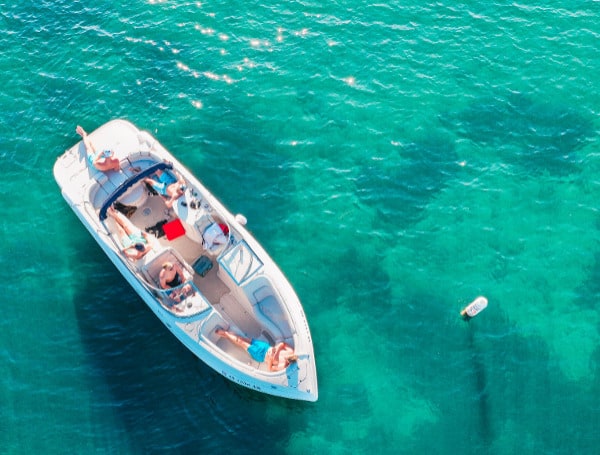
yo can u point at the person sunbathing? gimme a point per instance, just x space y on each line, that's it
171 276
102 160
136 243
277 357
167 186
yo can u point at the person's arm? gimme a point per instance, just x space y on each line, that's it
270 359
147 249
273 360
133 255
179 271
150 241
278 348
89 146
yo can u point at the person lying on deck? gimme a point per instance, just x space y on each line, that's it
136 243
277 357
102 160
167 186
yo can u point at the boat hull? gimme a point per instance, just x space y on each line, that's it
242 290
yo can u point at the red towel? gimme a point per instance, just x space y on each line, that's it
173 229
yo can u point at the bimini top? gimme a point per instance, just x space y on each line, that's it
129 183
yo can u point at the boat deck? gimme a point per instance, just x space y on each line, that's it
211 286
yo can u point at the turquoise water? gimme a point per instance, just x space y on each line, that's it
396 159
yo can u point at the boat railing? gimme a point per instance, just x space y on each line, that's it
184 300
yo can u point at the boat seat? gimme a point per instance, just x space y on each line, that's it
270 307
203 222
268 326
268 329
140 155
97 193
210 324
151 270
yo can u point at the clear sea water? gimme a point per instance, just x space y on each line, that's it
397 159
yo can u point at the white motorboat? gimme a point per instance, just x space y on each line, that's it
229 281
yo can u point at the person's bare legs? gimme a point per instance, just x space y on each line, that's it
183 293
175 191
122 233
173 196
89 147
102 164
149 181
122 221
240 341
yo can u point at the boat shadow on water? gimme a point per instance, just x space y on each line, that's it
162 395
491 382
481 389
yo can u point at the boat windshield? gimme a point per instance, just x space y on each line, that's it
240 262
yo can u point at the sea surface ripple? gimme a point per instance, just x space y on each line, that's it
396 159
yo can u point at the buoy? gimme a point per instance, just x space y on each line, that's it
474 308
241 219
